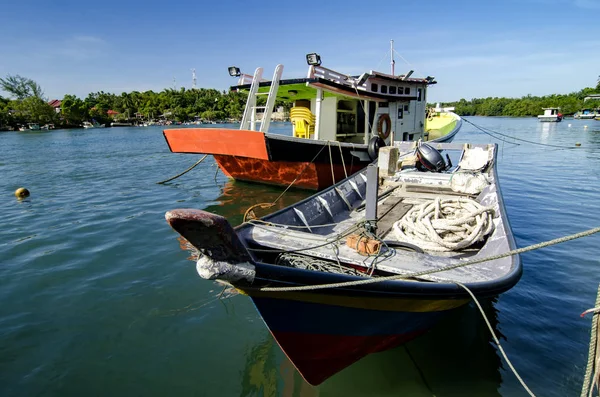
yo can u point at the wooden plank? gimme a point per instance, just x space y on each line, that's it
437 189
385 223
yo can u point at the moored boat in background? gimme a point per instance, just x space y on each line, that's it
550 115
357 231
93 124
338 123
586 114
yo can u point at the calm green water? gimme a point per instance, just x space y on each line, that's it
97 298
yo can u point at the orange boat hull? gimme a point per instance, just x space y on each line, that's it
306 175
252 156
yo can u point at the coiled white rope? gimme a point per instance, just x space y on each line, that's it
445 225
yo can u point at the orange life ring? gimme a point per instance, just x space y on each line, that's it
384 133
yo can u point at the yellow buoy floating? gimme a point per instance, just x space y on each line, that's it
22 193
577 144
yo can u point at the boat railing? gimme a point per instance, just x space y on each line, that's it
246 79
328 74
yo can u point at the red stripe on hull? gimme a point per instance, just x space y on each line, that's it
283 173
318 357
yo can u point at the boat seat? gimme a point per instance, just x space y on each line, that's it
303 122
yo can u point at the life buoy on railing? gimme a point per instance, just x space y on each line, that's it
384 133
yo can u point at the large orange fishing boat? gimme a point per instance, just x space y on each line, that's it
338 122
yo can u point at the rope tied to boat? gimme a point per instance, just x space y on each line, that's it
445 225
471 262
590 381
184 172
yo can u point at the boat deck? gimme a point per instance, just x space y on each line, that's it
326 239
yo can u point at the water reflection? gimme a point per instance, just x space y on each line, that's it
236 197
593 136
457 358
546 128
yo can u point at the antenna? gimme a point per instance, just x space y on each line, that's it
174 83
193 78
392 62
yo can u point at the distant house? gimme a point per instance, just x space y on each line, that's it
279 114
55 103
112 113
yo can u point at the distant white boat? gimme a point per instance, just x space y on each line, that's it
95 124
34 126
550 115
586 114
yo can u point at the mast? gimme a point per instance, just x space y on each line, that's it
392 62
194 78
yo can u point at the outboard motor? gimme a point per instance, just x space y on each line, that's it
430 159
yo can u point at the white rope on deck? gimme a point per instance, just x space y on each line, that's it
445 225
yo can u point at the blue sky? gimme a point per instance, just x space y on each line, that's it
474 48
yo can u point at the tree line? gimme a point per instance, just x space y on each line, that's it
27 104
526 106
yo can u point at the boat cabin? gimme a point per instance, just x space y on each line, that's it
328 105
550 112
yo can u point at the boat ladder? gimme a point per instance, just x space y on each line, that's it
249 118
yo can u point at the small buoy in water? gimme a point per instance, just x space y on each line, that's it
568 125
585 126
577 144
22 193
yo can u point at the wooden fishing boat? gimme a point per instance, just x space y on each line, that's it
422 226
337 123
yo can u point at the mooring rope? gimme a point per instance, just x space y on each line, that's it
445 225
338 237
496 339
518 139
249 211
592 365
342 157
184 172
331 162
443 269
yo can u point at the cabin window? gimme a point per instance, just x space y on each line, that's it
400 90
406 108
400 113
374 87
392 90
419 93
384 89
407 91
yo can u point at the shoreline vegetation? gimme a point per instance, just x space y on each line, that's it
28 105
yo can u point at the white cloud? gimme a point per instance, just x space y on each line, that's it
88 39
